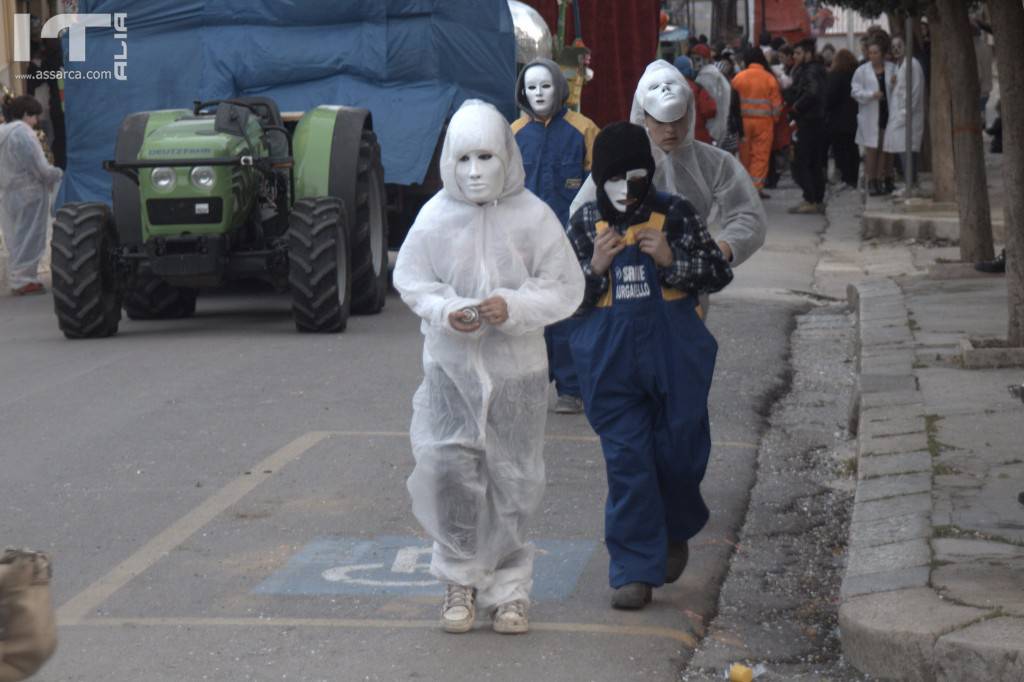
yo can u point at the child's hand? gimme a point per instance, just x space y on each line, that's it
654 244
493 310
458 324
606 247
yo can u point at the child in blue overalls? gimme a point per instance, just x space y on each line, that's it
645 360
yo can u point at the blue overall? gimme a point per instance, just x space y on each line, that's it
645 362
556 160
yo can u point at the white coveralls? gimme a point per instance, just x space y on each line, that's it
26 180
706 176
478 417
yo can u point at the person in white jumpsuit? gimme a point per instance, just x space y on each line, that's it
26 181
708 177
486 266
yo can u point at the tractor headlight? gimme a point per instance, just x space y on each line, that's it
203 177
164 178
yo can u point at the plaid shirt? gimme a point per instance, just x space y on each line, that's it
698 265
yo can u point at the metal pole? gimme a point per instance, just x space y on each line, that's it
908 61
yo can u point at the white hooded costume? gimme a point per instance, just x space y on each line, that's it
706 176
478 417
712 80
26 180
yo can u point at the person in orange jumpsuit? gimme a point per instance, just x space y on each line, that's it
761 106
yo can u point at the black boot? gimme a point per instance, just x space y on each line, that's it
995 266
889 186
678 557
874 188
632 596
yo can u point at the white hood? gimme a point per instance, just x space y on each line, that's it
477 125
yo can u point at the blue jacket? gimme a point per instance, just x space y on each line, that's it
556 156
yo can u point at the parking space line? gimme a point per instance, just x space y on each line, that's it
86 601
679 636
82 604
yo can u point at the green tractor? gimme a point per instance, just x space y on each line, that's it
228 192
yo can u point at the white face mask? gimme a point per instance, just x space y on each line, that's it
668 91
480 175
617 189
540 90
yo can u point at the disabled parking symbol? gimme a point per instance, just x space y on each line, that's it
400 566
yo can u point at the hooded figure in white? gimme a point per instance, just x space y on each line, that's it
26 180
708 177
478 418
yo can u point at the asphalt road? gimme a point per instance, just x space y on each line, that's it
224 498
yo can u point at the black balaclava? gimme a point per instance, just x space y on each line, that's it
622 147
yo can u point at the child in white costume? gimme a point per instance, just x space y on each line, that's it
484 244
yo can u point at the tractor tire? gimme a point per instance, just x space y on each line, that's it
319 272
370 231
151 298
86 291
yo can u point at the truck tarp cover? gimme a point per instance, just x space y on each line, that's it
410 62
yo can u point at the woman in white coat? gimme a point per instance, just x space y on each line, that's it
896 132
871 88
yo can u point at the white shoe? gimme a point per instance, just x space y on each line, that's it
459 609
510 618
567 404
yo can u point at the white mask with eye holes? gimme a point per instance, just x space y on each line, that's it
540 91
617 189
480 175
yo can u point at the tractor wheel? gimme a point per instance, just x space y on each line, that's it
319 271
370 231
86 291
151 298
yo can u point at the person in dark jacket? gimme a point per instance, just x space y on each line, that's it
841 117
807 96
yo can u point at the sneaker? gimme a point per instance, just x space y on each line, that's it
804 208
995 266
510 618
631 596
678 557
567 404
29 289
763 195
459 609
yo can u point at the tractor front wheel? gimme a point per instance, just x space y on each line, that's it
86 290
319 271
151 298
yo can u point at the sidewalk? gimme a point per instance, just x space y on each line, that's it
936 555
929 218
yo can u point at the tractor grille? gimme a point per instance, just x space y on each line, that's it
185 211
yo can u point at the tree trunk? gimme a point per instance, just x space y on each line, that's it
1008 27
940 126
957 49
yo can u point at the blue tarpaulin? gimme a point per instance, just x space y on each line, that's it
410 62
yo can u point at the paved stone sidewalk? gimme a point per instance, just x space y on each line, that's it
933 586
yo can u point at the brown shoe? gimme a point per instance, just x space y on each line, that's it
29 289
632 596
678 557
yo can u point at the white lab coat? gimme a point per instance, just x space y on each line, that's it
896 132
478 417
863 89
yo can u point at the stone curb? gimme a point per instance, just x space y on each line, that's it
922 226
893 625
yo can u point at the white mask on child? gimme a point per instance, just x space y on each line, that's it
480 175
540 90
617 189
